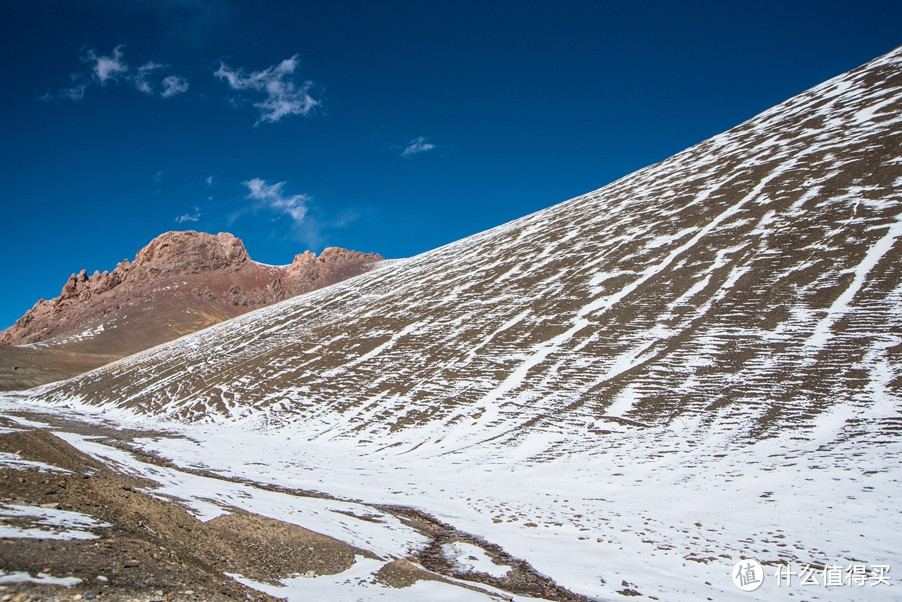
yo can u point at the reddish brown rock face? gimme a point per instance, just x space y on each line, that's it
179 283
191 252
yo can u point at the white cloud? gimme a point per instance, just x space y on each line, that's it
271 195
189 217
155 178
282 96
150 78
209 180
107 67
75 92
173 85
416 146
142 77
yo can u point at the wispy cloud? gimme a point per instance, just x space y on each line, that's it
272 196
141 79
150 78
75 93
155 178
107 67
189 217
173 85
282 96
417 146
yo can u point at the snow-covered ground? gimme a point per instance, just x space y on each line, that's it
357 583
662 510
46 523
667 511
22 577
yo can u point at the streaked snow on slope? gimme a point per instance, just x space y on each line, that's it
468 558
695 363
15 462
43 578
35 522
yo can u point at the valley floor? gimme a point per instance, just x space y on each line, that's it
85 515
97 505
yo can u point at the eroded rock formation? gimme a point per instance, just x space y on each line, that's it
180 281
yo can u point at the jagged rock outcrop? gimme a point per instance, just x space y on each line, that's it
191 253
178 283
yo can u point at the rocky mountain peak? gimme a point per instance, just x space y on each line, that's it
180 281
191 252
304 258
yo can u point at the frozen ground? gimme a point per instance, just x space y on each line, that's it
664 512
18 521
22 577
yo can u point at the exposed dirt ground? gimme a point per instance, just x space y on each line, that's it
155 550
23 367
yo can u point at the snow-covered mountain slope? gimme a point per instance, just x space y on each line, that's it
754 276
632 389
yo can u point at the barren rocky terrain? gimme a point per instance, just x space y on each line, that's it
179 283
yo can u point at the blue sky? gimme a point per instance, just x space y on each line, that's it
392 127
